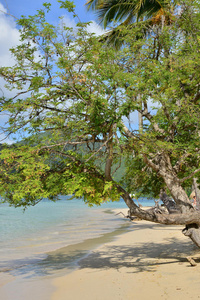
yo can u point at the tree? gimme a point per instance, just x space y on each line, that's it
127 13
74 96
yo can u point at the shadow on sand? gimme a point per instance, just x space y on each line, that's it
138 257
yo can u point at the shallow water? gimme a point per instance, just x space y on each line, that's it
27 236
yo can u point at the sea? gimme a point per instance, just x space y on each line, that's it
27 236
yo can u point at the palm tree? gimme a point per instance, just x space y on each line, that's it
127 12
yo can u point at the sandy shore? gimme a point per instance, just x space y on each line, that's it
147 262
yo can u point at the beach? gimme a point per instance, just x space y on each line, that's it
139 260
147 262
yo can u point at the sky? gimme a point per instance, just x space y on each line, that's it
9 34
24 7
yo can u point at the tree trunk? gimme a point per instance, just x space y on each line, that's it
197 193
169 203
173 217
193 232
140 123
162 165
183 213
178 193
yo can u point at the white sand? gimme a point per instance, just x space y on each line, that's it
148 262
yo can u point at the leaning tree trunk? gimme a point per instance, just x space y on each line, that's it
180 210
197 193
169 203
191 230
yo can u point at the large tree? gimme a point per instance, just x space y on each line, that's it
72 107
114 14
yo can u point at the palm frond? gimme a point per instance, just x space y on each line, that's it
119 10
115 11
127 12
117 37
151 7
93 4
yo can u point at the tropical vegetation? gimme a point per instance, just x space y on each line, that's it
75 108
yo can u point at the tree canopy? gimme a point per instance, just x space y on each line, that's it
74 101
114 14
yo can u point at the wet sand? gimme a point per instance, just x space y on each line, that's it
140 261
35 280
147 262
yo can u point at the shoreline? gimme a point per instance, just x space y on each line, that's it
66 259
138 260
70 253
30 279
148 261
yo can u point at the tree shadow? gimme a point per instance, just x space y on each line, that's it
138 257
65 258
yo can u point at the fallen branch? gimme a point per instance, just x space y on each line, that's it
128 217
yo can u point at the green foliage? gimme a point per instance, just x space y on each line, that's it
141 179
74 98
69 5
124 13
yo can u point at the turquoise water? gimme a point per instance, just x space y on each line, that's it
49 226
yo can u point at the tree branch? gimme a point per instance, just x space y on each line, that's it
145 113
189 176
98 150
167 219
150 163
180 161
110 155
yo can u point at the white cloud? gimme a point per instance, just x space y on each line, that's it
2 9
9 37
93 27
68 22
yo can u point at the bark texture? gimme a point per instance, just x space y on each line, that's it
173 215
197 193
169 204
193 232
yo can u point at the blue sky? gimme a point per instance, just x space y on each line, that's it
25 7
9 34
